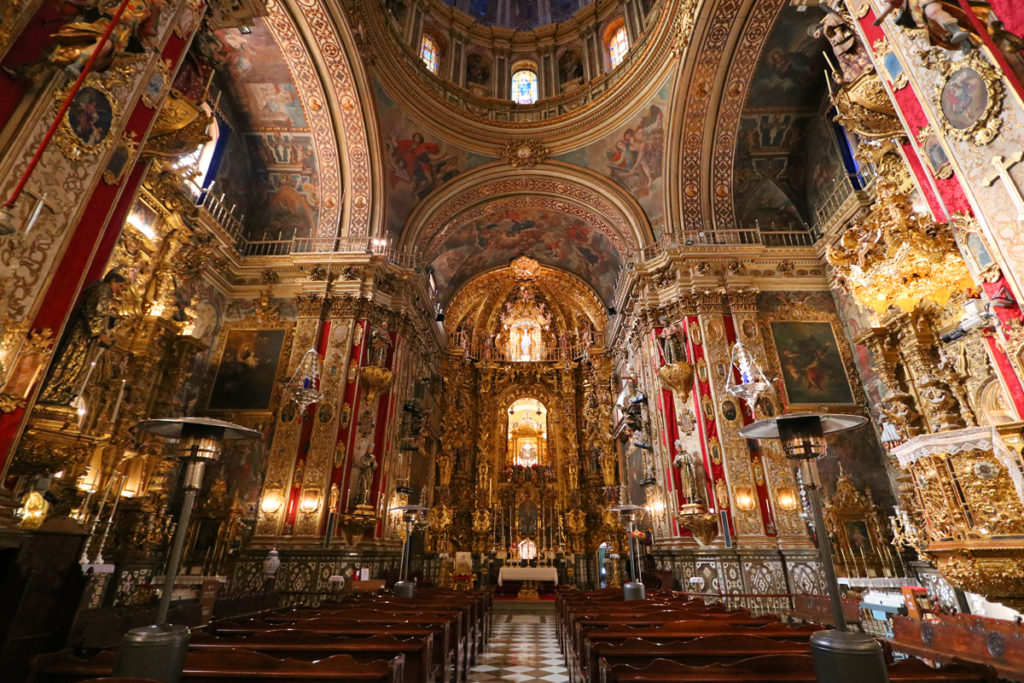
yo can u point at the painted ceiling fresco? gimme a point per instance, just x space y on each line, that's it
785 97
633 156
523 15
280 187
553 239
416 162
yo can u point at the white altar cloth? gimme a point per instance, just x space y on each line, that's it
527 574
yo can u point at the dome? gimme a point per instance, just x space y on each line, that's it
521 15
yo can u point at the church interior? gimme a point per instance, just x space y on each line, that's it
573 341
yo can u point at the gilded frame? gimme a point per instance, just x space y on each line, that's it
927 141
800 312
152 97
984 125
886 58
120 159
68 137
252 324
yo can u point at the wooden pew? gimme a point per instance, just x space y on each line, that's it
218 665
992 642
685 630
444 648
697 652
297 644
788 667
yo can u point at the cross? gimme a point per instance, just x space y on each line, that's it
1003 173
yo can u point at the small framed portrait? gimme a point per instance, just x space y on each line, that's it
935 156
154 90
119 161
858 536
709 408
730 411
894 70
970 98
715 450
84 129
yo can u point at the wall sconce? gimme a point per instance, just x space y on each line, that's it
655 500
310 501
273 499
786 498
744 497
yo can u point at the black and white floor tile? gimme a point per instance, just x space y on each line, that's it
523 647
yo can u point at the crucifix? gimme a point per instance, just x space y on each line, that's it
1003 173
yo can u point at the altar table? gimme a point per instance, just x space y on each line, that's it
528 574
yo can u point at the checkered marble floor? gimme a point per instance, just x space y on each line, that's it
523 647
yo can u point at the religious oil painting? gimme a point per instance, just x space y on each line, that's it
857 535
936 157
247 371
89 117
964 98
812 367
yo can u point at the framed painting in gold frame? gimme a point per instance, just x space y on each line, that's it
248 369
811 363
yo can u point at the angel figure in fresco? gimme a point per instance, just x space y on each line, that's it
636 161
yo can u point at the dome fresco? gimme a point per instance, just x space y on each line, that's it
521 15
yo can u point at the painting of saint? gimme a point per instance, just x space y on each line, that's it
418 165
812 367
857 535
247 371
90 116
964 98
791 67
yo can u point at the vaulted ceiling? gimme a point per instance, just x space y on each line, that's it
708 131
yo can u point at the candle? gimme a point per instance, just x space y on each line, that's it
117 406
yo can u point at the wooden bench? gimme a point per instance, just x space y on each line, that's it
297 644
695 652
217 665
787 667
992 642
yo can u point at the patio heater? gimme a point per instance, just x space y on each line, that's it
410 514
158 651
634 588
840 655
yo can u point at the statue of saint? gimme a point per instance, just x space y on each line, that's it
691 475
86 335
670 349
366 465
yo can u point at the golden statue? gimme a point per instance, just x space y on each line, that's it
87 334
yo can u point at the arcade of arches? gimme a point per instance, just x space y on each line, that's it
517 263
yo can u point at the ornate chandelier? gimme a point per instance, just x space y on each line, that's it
304 386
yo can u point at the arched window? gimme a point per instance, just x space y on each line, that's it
524 86
618 44
429 53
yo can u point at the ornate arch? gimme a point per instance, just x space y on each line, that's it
316 35
708 95
576 205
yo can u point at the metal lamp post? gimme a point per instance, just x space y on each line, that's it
634 588
840 655
158 651
405 588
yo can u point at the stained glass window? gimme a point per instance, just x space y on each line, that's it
618 46
524 86
429 53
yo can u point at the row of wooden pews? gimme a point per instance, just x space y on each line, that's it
672 637
432 638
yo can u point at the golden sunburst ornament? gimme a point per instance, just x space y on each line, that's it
524 268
